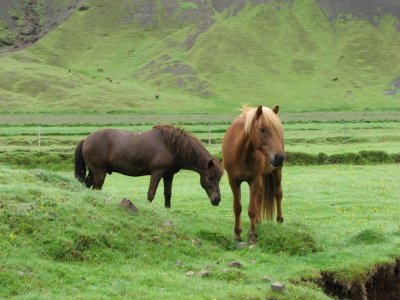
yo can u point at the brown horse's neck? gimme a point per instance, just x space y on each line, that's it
198 165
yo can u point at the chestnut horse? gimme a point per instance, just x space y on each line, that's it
160 153
252 151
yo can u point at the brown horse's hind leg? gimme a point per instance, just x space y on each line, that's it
89 179
278 193
98 179
168 189
154 181
237 207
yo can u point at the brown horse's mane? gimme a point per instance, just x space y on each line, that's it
188 147
268 118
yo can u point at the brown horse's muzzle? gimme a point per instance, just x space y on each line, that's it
215 199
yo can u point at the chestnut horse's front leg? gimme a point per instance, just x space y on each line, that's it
255 189
154 181
168 189
278 193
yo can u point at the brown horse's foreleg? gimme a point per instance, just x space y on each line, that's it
154 181
98 179
168 189
255 189
278 193
237 207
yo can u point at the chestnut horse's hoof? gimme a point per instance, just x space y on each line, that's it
253 239
279 219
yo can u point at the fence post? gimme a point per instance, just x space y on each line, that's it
209 133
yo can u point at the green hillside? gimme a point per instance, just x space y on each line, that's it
203 57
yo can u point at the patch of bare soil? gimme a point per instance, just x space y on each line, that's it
382 284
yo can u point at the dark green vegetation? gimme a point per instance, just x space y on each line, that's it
207 56
373 140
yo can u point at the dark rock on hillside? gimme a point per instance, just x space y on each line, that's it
128 206
365 9
27 21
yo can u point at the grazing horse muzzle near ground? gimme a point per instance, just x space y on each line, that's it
160 153
253 151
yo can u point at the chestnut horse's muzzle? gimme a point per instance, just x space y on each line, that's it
278 160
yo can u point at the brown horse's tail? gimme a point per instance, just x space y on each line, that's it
80 166
268 202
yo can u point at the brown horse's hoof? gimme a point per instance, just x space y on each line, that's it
279 219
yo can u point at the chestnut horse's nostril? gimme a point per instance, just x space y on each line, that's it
278 160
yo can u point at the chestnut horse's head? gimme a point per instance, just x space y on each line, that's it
209 180
264 128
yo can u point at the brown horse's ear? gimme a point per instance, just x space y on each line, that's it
210 163
259 111
276 109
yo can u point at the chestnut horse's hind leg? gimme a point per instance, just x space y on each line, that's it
98 179
168 189
237 207
154 181
255 189
278 193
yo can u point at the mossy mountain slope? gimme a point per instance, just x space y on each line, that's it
209 56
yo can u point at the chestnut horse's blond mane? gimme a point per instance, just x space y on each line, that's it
268 118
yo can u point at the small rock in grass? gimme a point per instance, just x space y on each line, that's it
235 264
267 278
241 245
278 287
128 205
203 273
179 263
21 274
189 273
196 242
167 223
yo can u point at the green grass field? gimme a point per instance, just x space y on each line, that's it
82 244
335 82
60 240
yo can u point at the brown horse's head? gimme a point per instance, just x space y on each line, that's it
264 128
209 180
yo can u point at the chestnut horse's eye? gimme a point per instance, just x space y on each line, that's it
263 130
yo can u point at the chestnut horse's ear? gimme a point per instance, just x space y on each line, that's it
210 163
259 111
276 109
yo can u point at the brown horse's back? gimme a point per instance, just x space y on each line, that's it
128 153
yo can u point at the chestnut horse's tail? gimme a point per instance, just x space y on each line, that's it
80 165
268 201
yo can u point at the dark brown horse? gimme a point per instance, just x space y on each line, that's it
160 152
252 151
